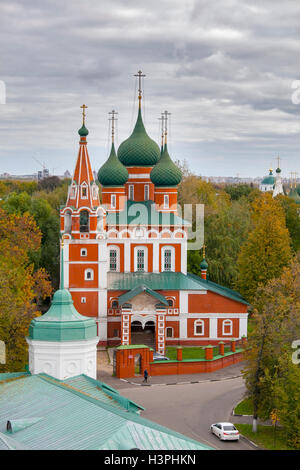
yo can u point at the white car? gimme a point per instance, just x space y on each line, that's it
225 431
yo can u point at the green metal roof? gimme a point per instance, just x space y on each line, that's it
62 322
144 213
122 299
139 149
169 281
83 132
270 179
165 173
155 281
76 420
112 173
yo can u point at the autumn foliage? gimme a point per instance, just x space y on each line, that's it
21 287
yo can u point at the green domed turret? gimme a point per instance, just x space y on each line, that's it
203 264
62 322
139 149
83 132
270 179
112 173
165 173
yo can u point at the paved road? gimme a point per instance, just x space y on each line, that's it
192 408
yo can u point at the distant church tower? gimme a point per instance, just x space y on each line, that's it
83 223
278 189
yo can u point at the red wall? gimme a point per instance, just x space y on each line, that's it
214 303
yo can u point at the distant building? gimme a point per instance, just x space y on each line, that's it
268 182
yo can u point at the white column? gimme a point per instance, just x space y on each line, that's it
156 256
183 301
184 257
243 326
183 328
127 256
66 265
213 328
102 289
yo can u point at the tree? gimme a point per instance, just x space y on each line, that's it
21 287
225 231
47 220
276 325
292 220
236 191
267 249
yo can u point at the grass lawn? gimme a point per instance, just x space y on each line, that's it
264 437
245 407
196 352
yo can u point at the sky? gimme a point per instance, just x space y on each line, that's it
225 70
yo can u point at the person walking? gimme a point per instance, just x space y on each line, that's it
145 376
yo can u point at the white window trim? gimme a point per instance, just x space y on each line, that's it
197 323
117 248
73 187
136 248
164 248
227 323
89 270
82 252
83 300
166 201
84 185
131 188
146 189
113 201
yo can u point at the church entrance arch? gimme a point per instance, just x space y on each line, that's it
143 332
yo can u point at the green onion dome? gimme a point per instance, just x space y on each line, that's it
270 179
83 132
62 322
139 149
112 173
278 170
165 173
203 264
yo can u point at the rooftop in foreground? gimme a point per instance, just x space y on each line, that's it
79 413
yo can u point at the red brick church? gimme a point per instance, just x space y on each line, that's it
125 259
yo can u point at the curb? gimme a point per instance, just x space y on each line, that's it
182 383
250 442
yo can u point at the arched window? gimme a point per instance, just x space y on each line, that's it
170 302
146 192
199 327
169 332
83 252
131 192
140 259
99 221
89 275
227 327
113 201
166 201
84 191
68 221
73 191
84 221
114 304
168 259
114 258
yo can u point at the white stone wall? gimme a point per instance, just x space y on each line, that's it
64 359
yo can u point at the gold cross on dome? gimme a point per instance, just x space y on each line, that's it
84 107
204 246
113 119
140 75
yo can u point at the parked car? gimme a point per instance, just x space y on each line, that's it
225 431
159 357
